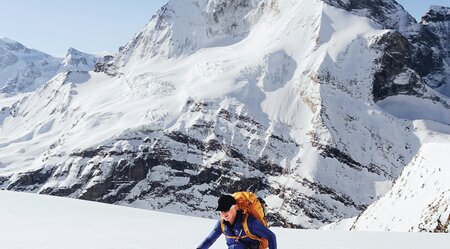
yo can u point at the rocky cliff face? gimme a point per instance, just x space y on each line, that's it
294 100
420 47
430 41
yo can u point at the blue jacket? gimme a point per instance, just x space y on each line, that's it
255 227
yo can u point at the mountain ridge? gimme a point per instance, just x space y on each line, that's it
24 70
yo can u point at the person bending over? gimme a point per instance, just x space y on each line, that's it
232 225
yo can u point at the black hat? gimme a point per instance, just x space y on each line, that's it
225 202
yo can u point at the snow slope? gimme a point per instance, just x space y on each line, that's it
418 201
31 221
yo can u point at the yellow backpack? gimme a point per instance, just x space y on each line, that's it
250 204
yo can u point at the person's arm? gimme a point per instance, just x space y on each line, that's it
261 231
212 237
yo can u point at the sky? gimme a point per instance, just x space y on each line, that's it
93 26
419 7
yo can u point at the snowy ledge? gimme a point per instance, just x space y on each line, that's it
413 108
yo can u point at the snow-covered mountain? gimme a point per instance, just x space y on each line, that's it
318 106
25 70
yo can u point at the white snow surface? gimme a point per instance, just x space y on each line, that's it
420 198
413 108
30 221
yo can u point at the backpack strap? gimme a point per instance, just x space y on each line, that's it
222 226
248 234
247 230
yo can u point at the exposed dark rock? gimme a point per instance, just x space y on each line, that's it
396 59
426 57
213 145
266 166
206 175
187 140
431 47
346 159
254 184
122 178
225 114
60 191
221 8
30 180
437 14
106 66
3 180
180 165
97 191
276 219
90 153
442 227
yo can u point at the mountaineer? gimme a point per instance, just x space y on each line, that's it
242 222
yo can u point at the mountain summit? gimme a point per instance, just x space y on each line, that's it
77 61
318 106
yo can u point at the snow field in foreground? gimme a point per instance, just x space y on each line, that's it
31 221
